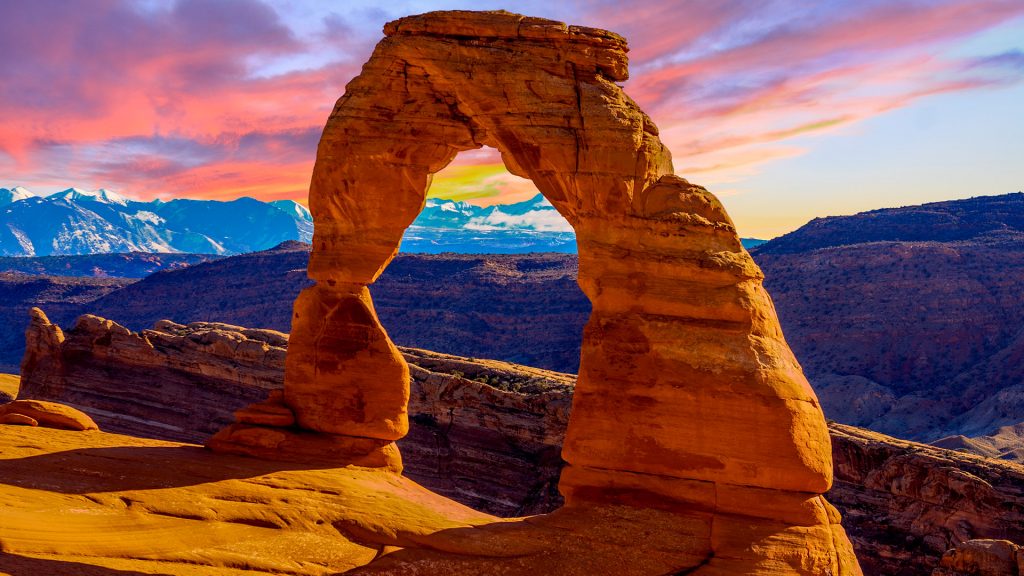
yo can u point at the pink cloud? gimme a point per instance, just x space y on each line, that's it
185 98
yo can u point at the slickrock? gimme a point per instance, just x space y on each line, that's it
483 432
95 503
48 414
982 558
688 398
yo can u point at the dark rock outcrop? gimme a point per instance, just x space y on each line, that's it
908 320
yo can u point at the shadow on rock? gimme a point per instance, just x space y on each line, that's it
15 565
121 468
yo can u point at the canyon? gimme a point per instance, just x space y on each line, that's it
872 319
488 434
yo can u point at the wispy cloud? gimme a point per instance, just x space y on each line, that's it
217 98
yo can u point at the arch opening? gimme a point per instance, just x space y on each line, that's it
474 205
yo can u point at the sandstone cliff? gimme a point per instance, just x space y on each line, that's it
483 432
904 504
488 434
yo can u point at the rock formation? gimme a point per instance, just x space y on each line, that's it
983 558
482 432
488 434
688 398
172 380
43 413
904 504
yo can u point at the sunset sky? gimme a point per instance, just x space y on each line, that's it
787 110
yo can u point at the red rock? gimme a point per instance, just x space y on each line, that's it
981 558
687 388
19 419
50 414
272 412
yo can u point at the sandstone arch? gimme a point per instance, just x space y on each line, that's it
688 396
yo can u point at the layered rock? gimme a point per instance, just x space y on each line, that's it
982 558
488 434
172 382
904 504
688 398
485 433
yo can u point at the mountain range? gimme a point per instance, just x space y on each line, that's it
77 221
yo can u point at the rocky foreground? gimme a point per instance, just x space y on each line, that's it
488 434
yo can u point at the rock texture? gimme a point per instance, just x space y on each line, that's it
48 414
483 432
982 558
713 418
170 382
488 434
904 504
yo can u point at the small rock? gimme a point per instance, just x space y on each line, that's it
50 414
980 558
19 419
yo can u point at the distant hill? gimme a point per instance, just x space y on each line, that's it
124 265
523 308
909 321
64 297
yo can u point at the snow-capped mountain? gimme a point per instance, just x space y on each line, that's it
101 196
76 221
11 195
535 214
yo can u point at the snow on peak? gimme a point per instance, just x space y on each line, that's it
15 194
102 196
293 209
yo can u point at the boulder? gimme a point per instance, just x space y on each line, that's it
19 419
48 414
981 558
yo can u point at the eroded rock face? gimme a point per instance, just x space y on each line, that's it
175 382
905 504
982 558
488 434
688 397
483 432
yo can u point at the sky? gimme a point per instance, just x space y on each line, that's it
787 110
